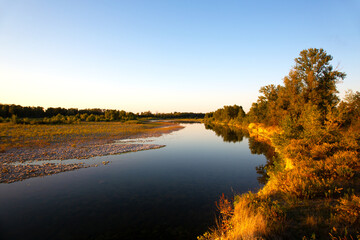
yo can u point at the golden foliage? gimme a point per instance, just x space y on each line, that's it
348 210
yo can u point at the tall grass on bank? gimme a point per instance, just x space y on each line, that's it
248 216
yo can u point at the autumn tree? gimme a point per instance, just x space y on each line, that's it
316 78
312 81
350 109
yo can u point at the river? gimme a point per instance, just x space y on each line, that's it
167 193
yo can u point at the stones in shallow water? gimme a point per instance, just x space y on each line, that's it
20 163
16 173
12 173
64 152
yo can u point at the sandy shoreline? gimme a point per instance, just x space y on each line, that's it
18 163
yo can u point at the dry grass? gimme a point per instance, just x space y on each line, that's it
252 217
248 223
17 135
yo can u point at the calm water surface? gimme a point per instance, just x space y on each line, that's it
167 193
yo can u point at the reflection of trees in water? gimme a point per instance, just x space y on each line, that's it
231 134
268 151
228 134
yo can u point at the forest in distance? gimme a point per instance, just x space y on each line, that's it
312 189
38 115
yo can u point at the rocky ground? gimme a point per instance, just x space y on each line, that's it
17 164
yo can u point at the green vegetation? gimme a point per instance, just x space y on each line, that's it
313 188
37 115
232 115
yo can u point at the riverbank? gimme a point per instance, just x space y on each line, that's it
22 146
312 192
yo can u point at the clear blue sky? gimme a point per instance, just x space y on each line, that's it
165 56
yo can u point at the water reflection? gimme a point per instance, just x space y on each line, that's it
232 134
228 134
168 193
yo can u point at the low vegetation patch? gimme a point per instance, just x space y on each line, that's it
19 135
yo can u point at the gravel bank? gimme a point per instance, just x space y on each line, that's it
18 163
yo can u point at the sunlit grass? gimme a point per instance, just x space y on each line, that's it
247 223
18 135
312 192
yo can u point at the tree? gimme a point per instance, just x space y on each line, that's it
350 109
312 81
241 114
316 79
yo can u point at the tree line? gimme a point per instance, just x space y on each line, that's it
174 115
7 110
38 115
308 90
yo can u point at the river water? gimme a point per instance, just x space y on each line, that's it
167 193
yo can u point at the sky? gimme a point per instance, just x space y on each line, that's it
165 56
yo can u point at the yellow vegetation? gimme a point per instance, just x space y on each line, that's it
288 164
307 182
262 133
247 222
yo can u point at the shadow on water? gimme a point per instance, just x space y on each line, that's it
227 133
232 134
168 193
